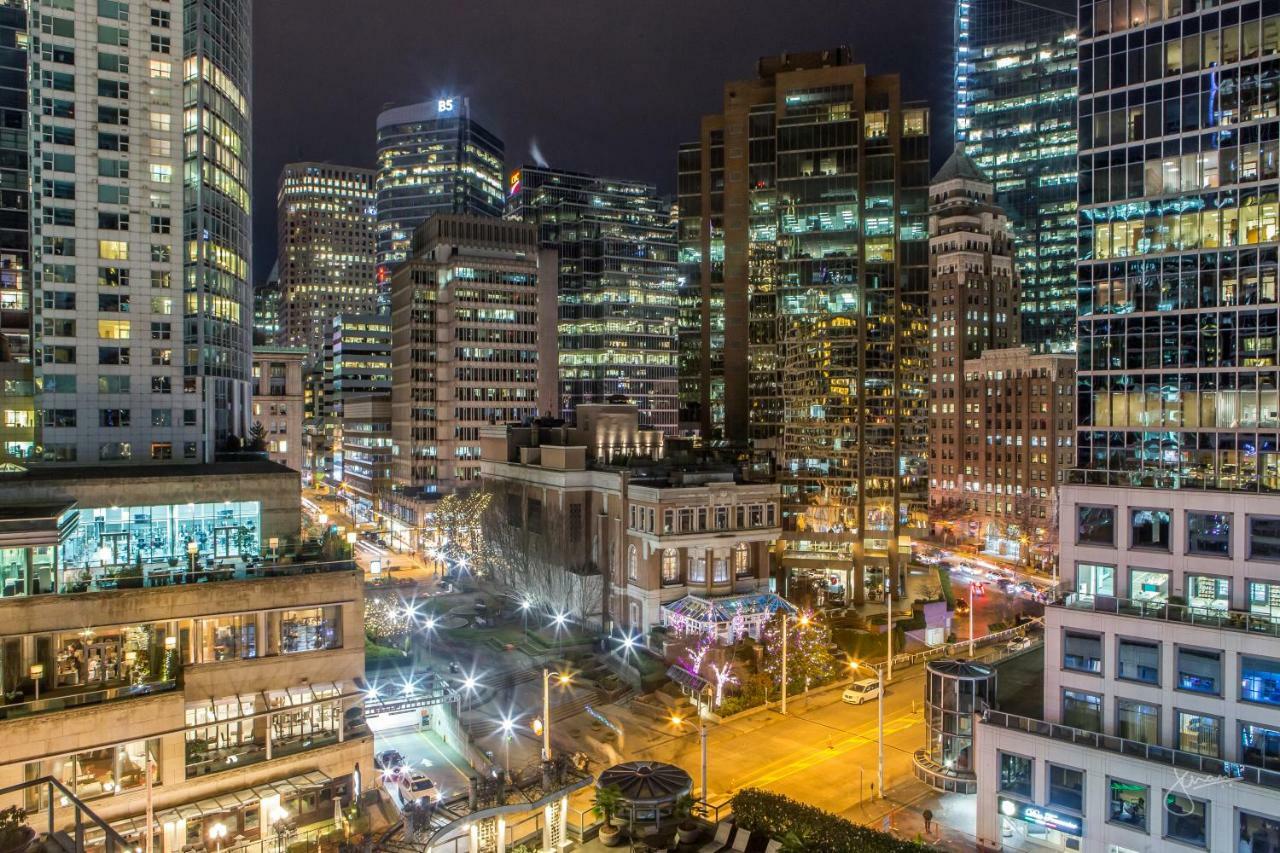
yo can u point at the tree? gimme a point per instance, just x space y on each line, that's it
460 536
809 658
257 437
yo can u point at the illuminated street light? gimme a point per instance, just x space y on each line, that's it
677 721
879 671
508 728
562 679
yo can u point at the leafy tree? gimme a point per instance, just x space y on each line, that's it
257 437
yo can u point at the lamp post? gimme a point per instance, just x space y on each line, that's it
562 679
879 671
971 582
36 672
192 550
804 620
525 604
678 721
508 732
217 832
888 591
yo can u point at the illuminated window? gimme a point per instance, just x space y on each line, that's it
161 69
113 330
161 173
161 121
113 250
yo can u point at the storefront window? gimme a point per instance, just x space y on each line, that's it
1259 680
1209 593
1128 803
223 735
307 721
1258 834
1209 534
116 536
1138 721
1260 746
1149 529
1200 733
1199 671
1148 585
1095 579
1015 774
1186 819
105 772
310 630
1097 525
1082 710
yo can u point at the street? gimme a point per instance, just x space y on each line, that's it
423 751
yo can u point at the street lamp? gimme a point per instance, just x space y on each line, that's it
192 550
525 604
804 620
879 671
971 583
508 728
217 832
677 721
562 679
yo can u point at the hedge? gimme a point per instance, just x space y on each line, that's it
777 816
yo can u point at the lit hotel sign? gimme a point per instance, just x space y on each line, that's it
446 105
1040 817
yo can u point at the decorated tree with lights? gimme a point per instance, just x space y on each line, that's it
459 534
385 618
809 659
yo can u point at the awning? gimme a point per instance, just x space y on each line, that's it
224 803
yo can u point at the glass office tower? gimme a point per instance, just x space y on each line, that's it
1162 651
617 287
433 157
804 207
18 424
1015 80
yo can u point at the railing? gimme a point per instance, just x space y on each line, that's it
83 820
78 700
1189 761
1229 620
149 576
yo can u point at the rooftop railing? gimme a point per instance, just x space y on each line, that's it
1209 617
151 575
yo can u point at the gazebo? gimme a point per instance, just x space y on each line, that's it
728 618
649 789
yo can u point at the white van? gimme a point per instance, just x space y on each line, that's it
861 691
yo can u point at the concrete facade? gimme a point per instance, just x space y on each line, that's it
277 402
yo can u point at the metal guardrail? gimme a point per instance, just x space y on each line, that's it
1231 620
1190 761
83 819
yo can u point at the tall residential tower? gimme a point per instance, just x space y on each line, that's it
617 291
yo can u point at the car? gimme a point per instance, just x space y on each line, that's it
1018 644
416 785
1007 586
1027 588
861 691
962 607
390 762
979 590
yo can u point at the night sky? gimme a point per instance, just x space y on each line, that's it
609 87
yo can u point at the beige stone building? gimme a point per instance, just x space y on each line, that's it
235 686
473 342
608 499
277 401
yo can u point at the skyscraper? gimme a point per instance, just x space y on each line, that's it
807 226
326 245
472 327
432 158
18 425
1162 656
142 345
617 287
1015 83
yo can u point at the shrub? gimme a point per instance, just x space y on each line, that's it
781 817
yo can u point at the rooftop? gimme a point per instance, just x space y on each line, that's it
959 166
54 473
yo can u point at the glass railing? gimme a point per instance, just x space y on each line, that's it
171 573
1209 617
79 699
1189 761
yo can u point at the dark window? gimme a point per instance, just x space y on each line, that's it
1015 774
1139 662
1209 533
1097 525
1199 671
1082 652
1066 787
1264 538
1149 528
1082 710
1186 819
1137 721
1259 746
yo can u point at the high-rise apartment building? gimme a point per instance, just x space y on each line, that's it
139 206
805 234
18 415
1015 83
617 293
326 245
472 325
433 157
1162 656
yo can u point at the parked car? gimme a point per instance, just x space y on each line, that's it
415 785
1018 644
861 691
390 762
962 607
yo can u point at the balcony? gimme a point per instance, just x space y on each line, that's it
1223 620
1188 761
65 699
149 575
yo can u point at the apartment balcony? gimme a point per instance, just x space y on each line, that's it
1175 758
149 575
1205 617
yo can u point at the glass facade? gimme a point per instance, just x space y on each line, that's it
117 536
17 414
1015 81
1179 119
617 287
432 158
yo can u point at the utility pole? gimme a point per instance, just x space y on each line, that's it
784 664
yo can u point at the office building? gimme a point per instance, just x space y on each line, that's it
433 157
617 296
679 532
365 430
1162 655
277 402
808 228
18 426
142 345
1015 84
266 310
326 244
472 326
1000 417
